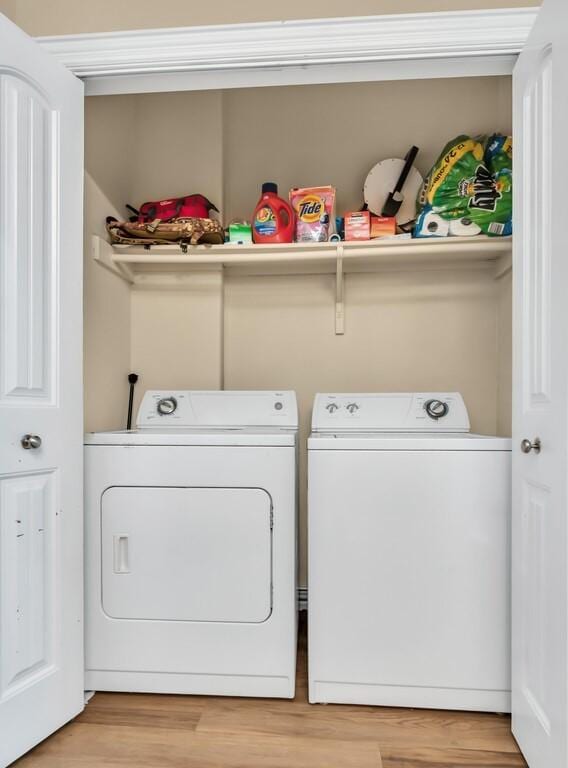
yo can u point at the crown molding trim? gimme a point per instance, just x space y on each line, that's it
278 52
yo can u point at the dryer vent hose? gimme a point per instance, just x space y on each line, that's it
132 379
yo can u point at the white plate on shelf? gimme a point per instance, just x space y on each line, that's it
380 182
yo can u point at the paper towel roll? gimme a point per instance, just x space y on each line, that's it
432 225
464 228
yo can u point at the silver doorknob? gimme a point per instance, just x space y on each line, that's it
527 446
31 441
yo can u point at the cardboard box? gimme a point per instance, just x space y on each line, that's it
358 225
383 226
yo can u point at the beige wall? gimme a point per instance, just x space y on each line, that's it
59 17
224 144
177 335
109 160
425 330
334 134
107 326
505 354
178 146
152 146
405 330
139 148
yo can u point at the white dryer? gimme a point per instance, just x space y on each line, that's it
409 567
191 547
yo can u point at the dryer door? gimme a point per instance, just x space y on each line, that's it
186 554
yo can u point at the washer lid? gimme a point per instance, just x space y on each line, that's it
390 412
236 436
187 408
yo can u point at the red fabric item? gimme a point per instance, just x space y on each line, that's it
192 206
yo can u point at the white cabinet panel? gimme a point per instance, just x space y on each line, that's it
536 234
27 542
536 630
28 203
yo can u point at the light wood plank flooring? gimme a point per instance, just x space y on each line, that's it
148 731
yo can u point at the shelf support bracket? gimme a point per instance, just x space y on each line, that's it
103 253
339 293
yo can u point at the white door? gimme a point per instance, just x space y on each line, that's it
540 407
41 560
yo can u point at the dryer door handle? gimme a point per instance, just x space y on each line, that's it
121 562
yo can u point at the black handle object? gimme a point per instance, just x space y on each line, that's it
132 379
394 200
409 162
134 210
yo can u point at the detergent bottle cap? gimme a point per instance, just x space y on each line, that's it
270 186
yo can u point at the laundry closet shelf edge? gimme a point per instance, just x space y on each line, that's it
135 263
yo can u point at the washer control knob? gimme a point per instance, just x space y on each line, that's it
166 406
278 405
332 407
352 407
436 409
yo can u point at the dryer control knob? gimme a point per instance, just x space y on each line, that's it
331 407
436 409
352 407
166 406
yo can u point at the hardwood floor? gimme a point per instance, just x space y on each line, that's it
149 731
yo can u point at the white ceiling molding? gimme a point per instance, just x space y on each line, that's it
309 75
319 50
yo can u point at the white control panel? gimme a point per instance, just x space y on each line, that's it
390 412
187 408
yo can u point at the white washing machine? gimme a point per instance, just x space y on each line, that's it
409 566
191 547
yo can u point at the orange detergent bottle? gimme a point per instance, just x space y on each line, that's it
273 218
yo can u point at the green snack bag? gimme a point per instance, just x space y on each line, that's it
472 179
446 190
499 153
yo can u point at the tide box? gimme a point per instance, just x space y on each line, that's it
358 225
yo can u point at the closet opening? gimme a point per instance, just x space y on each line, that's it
430 319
